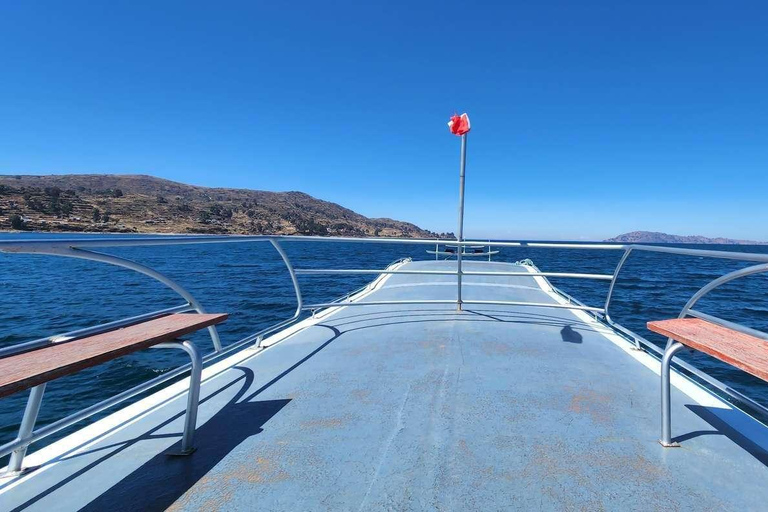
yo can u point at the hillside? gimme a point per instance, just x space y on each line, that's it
145 204
654 237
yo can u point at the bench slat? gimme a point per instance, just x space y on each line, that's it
735 348
23 371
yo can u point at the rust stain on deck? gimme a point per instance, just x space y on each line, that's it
332 422
596 405
362 395
495 348
265 471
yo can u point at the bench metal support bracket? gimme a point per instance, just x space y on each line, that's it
666 407
25 430
193 398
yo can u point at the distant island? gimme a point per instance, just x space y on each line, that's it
146 204
654 237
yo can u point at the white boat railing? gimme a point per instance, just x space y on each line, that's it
82 249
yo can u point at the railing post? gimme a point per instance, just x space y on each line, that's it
608 297
74 252
26 428
613 281
292 272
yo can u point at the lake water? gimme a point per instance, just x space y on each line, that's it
46 295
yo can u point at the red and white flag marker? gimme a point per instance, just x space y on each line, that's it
459 125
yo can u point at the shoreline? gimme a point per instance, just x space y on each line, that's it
18 231
122 233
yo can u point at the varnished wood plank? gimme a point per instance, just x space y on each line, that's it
23 371
736 348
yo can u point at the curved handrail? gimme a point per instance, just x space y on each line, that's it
609 296
259 336
292 272
736 274
616 271
74 252
716 283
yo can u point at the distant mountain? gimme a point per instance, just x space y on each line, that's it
654 237
145 204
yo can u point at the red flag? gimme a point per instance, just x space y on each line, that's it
459 124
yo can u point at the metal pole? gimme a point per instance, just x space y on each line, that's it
616 271
296 288
460 234
666 407
26 428
193 397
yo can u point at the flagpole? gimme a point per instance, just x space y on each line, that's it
460 235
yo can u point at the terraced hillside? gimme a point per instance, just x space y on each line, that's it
145 204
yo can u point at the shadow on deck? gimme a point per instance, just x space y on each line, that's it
722 421
163 479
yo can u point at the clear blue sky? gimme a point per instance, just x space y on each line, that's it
589 118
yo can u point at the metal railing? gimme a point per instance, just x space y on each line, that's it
81 249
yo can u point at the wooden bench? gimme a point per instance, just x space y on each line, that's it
33 369
738 349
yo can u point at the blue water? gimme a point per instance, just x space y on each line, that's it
46 295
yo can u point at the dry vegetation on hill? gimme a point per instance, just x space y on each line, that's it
145 204
654 237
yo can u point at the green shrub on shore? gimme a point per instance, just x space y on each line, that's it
16 222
